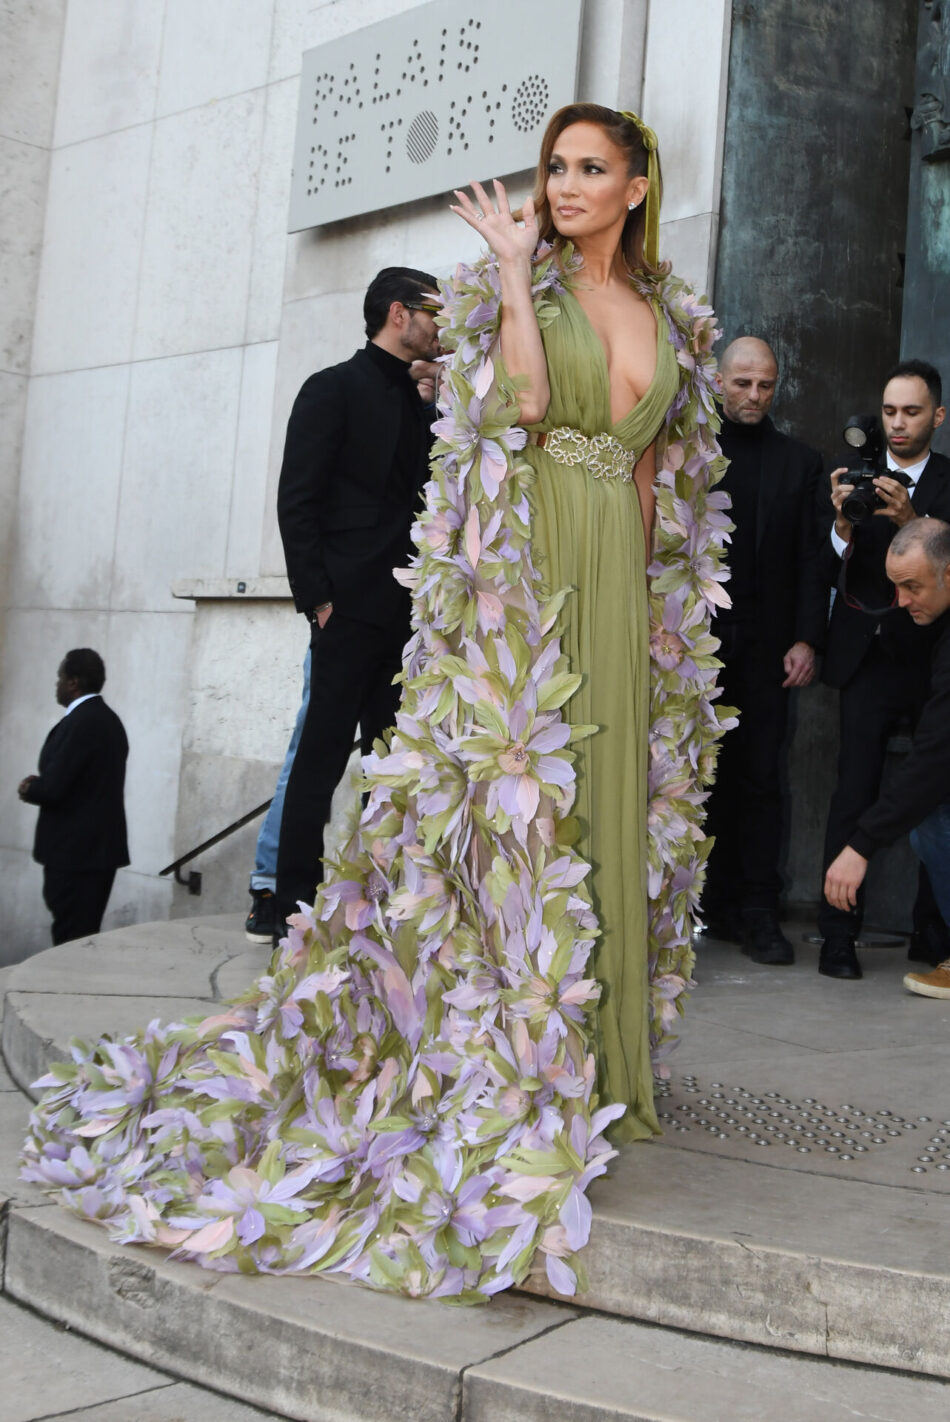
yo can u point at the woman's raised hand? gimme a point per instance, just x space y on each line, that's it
510 240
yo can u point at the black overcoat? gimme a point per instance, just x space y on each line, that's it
791 599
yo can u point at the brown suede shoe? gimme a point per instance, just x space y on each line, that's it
935 984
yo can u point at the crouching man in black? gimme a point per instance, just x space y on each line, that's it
876 657
918 798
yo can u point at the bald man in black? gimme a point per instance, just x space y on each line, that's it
769 637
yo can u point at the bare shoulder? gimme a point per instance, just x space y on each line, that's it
633 303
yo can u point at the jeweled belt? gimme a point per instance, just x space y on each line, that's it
604 455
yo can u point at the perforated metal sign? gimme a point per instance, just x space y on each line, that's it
422 103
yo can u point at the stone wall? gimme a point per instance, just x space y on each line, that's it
30 42
925 330
151 384
810 258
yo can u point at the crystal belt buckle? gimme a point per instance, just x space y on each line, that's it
608 459
567 445
604 455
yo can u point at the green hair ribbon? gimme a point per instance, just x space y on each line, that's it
651 231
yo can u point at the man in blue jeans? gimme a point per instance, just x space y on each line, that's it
918 797
261 922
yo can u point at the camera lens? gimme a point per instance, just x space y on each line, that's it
861 502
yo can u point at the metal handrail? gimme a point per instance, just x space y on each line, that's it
193 882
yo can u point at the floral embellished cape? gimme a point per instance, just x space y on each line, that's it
407 1097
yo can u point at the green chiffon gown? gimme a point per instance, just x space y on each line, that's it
587 534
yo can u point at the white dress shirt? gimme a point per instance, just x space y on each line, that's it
79 700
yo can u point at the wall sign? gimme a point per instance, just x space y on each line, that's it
424 102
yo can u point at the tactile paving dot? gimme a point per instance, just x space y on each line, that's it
766 1119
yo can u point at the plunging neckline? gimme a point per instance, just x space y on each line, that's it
616 424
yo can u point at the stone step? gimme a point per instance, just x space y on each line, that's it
750 1238
325 1352
744 1251
117 982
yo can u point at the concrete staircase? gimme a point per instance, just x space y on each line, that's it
798 1202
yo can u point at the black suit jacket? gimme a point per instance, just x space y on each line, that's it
79 789
791 600
922 781
344 518
862 576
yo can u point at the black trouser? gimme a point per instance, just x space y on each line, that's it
744 811
351 674
881 694
77 900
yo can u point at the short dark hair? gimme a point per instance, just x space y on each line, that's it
928 373
86 668
403 284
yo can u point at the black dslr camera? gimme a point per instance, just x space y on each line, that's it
862 433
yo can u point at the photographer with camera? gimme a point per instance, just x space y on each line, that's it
918 797
875 656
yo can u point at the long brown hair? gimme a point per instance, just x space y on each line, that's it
628 138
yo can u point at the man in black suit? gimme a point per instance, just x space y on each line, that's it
768 641
80 830
878 658
918 797
355 462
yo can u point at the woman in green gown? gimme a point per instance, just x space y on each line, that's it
415 1094
604 366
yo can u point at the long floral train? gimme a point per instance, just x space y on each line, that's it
407 1097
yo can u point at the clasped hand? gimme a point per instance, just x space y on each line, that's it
511 241
798 665
426 374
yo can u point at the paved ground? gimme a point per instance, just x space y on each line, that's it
816 1075
50 1373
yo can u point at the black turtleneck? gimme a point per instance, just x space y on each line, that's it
411 453
742 445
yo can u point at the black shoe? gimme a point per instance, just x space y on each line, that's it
930 944
763 940
838 959
261 922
